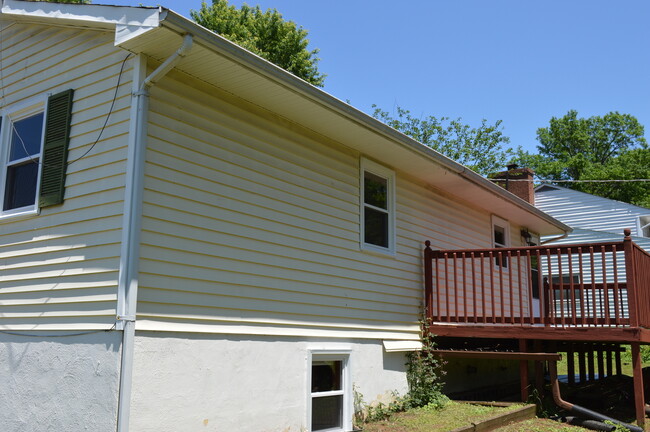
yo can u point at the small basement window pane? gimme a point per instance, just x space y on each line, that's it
376 227
20 190
326 376
327 412
375 190
26 137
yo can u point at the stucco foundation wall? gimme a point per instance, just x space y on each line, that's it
59 383
194 382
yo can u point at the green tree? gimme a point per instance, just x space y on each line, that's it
266 34
481 149
68 1
611 147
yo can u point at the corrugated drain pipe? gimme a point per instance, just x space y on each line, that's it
578 410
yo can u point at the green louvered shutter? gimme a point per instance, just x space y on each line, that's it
55 148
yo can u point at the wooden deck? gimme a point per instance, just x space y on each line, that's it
585 298
586 292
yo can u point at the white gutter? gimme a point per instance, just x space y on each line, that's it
182 25
565 235
132 220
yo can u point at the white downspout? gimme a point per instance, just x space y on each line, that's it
132 219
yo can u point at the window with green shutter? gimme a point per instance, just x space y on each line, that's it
34 152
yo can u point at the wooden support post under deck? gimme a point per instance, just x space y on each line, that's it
571 366
581 365
639 399
590 362
601 362
539 370
617 356
523 371
609 360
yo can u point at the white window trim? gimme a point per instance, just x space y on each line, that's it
346 387
9 115
497 221
389 175
640 226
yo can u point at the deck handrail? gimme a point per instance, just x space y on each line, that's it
604 284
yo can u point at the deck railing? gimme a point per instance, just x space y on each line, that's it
578 285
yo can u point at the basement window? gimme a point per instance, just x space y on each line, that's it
330 393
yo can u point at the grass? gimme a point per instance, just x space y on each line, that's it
451 416
540 425
454 415
626 361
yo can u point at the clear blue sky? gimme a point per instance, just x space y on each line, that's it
517 61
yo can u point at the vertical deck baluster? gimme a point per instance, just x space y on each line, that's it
541 292
483 309
605 289
572 293
529 283
454 257
582 287
511 269
492 296
618 315
474 287
561 281
447 282
438 278
594 298
551 295
520 288
501 295
464 270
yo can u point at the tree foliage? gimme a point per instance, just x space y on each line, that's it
266 34
68 1
481 149
611 147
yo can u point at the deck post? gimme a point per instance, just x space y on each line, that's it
629 275
571 365
581 364
523 371
639 399
539 369
428 281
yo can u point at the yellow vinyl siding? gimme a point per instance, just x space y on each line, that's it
58 269
251 225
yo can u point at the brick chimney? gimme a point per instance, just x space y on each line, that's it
523 189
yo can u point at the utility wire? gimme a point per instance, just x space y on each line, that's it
110 111
571 181
61 335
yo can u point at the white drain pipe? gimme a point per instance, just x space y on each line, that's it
132 219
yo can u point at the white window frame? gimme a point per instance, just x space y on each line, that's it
641 226
342 355
367 165
10 115
499 222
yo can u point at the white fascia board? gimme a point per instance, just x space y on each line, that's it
128 21
402 345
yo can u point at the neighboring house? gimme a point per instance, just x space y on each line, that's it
607 218
226 248
594 219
